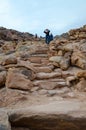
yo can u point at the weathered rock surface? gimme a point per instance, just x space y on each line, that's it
18 80
43 87
9 35
59 115
2 78
4 121
78 59
9 60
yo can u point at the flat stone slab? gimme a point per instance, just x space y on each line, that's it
57 115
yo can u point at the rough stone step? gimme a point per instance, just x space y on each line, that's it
39 55
38 65
42 63
57 92
40 51
57 115
46 69
51 75
49 85
50 80
38 59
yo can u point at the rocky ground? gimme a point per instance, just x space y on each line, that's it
43 87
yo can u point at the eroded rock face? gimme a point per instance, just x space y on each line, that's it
9 60
78 59
81 85
51 116
73 55
10 35
69 52
33 75
18 80
4 122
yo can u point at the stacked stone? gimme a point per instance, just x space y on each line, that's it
78 34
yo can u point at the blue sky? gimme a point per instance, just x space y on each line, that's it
34 16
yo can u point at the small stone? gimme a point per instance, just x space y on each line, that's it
42 92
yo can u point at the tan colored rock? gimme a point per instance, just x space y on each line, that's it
2 68
56 64
71 80
81 86
4 122
2 78
67 73
59 91
56 59
82 74
45 69
44 61
9 60
27 65
56 115
9 46
12 97
82 35
49 85
65 63
35 59
68 47
78 59
60 53
43 75
17 80
59 61
43 92
27 72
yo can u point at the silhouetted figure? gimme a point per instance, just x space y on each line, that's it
36 35
49 37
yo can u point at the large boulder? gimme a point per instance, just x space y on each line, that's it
60 61
17 80
78 59
65 63
56 59
49 84
57 115
9 59
81 85
81 74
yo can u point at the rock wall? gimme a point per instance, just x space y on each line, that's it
70 52
13 35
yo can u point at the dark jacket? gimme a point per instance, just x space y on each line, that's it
48 38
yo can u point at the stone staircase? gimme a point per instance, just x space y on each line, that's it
43 106
37 95
49 80
40 55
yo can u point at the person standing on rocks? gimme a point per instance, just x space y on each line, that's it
49 37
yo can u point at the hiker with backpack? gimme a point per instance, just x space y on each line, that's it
49 37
